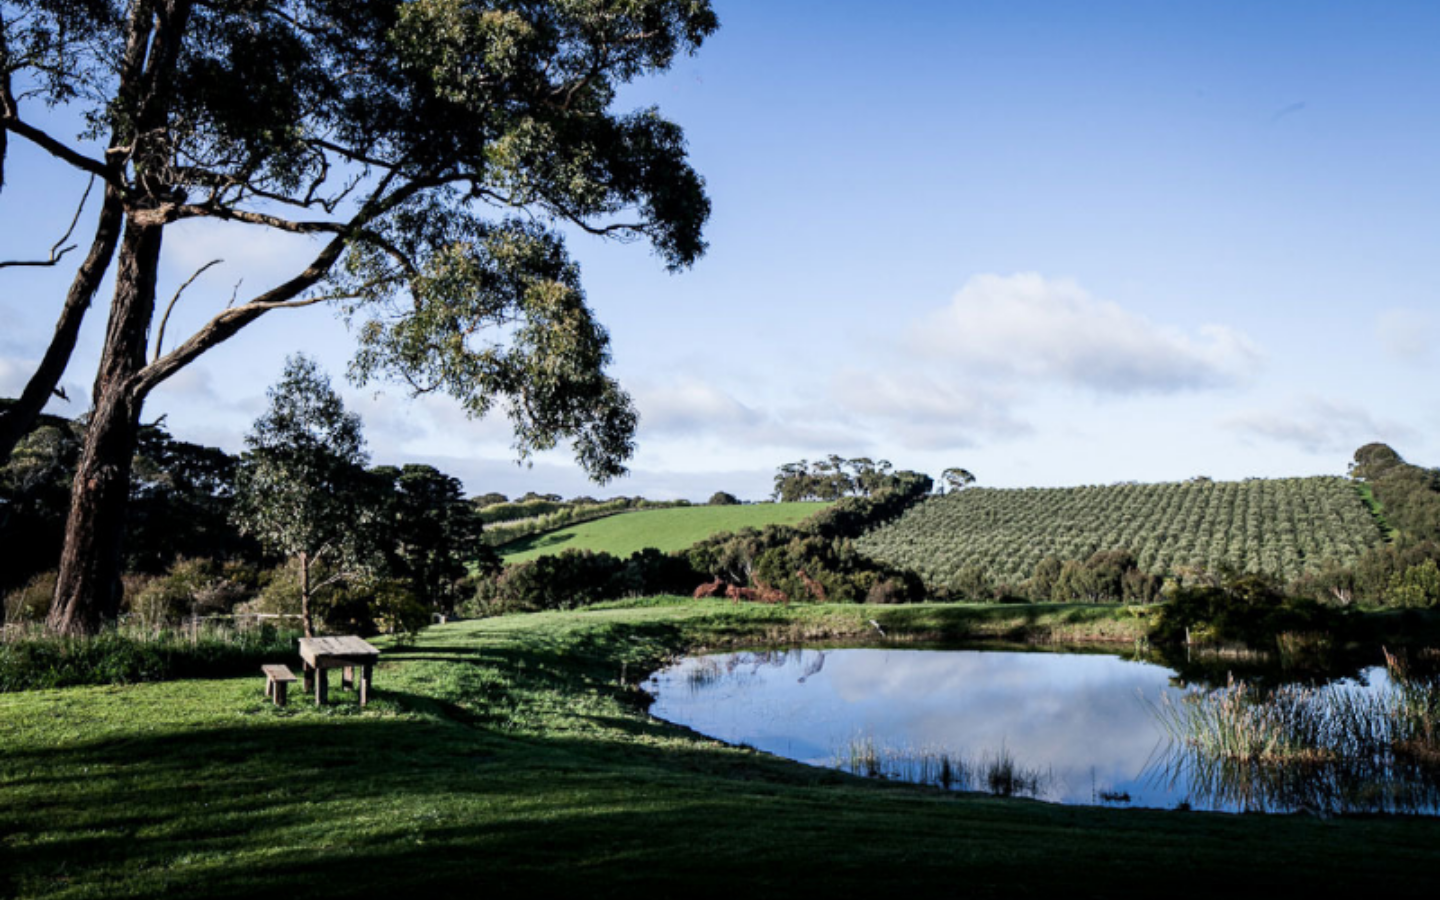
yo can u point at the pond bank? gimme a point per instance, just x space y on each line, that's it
514 755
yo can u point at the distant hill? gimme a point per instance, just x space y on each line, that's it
1283 527
663 529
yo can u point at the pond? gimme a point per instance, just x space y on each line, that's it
1062 727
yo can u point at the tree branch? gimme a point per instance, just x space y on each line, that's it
227 323
59 150
17 421
57 252
165 319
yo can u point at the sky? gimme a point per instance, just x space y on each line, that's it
1052 243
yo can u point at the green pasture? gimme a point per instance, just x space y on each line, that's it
663 529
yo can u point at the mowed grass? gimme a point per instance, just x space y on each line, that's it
513 756
663 529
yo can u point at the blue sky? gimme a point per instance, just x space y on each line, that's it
1053 243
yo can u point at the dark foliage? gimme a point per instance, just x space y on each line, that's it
1249 609
577 578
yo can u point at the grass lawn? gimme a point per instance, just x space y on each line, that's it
514 756
663 529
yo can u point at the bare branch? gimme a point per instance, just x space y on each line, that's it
57 252
165 319
59 150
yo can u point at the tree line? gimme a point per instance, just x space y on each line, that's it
299 520
834 477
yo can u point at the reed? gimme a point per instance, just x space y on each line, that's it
998 774
1337 748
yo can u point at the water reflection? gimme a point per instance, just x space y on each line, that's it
1068 728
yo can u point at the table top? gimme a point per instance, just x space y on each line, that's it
346 646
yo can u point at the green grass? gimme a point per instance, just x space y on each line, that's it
1377 509
514 756
663 529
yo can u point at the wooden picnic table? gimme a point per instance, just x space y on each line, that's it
346 652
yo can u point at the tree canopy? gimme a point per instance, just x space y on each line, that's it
437 147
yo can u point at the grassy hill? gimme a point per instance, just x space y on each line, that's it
1282 527
663 529
514 757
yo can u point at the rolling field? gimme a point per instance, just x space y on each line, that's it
663 529
1283 527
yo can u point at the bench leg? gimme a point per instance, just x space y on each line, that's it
347 678
309 678
322 686
365 675
269 687
281 687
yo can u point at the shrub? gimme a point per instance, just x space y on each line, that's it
31 603
128 655
721 498
397 610
1249 609
192 587
1419 585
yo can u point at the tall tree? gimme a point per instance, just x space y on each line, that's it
432 144
433 533
302 489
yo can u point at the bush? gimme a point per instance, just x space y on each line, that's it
397 610
31 603
721 498
1419 585
126 656
192 587
1249 609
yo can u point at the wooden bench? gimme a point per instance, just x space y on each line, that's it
277 680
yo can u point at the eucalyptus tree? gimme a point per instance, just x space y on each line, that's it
302 489
435 147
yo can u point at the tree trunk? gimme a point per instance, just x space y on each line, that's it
19 420
305 617
88 589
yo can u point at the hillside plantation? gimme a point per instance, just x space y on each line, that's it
1283 527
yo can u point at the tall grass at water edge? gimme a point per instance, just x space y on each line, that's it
998 774
1301 724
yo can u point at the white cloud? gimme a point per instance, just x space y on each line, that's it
1318 425
1028 326
15 373
1405 334
259 256
398 426
925 413
12 377
693 410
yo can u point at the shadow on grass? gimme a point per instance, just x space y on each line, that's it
546 541
370 807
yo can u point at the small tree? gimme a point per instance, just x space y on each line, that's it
957 479
302 489
723 498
